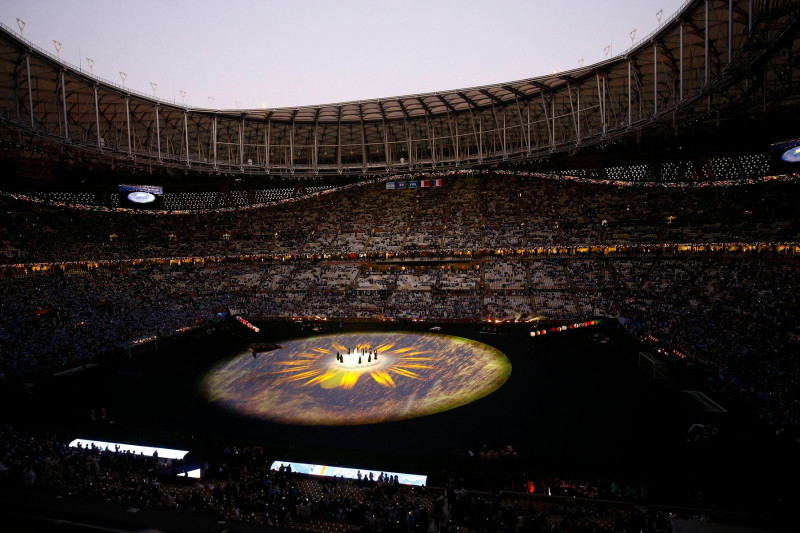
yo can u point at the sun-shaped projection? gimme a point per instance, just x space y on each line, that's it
358 378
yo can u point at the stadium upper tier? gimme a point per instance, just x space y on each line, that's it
469 214
729 58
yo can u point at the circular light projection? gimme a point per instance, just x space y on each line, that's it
141 197
792 155
358 378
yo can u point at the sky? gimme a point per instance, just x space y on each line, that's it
269 54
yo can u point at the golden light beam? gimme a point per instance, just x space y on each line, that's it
403 350
383 378
406 373
307 368
301 376
287 370
324 377
349 380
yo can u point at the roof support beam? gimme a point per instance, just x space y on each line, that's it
315 153
680 66
505 148
517 93
525 137
630 96
551 132
424 106
185 134
128 122
706 75
241 143
158 131
408 141
730 31
403 107
578 130
291 145
457 140
467 99
539 85
266 144
572 109
528 108
655 80
30 90
553 116
64 105
386 155
214 139
429 130
601 96
96 116
447 104
363 138
492 97
497 123
339 140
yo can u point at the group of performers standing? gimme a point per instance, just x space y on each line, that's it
362 352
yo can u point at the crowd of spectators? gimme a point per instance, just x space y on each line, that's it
467 214
238 484
735 315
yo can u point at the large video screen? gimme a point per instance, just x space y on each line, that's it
141 196
786 155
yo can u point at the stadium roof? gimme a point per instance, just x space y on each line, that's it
712 57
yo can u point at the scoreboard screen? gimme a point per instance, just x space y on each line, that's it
141 196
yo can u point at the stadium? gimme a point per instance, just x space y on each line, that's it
566 302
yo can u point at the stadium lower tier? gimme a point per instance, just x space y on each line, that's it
568 416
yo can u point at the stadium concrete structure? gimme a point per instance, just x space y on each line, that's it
630 214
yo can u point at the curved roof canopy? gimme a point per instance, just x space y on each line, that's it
712 56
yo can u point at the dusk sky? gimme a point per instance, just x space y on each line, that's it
291 53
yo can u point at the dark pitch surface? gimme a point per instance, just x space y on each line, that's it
572 407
